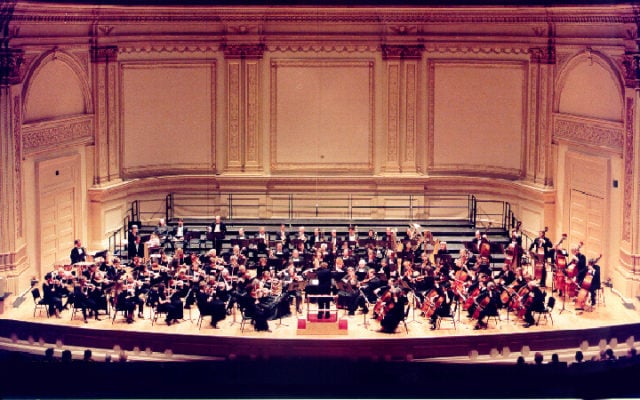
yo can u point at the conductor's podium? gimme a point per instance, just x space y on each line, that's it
312 325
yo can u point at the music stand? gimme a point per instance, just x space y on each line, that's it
295 286
413 307
564 297
364 323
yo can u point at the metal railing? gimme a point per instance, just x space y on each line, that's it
356 206
319 205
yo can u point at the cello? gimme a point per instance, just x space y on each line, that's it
432 301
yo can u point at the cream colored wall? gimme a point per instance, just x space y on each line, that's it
168 110
318 108
479 117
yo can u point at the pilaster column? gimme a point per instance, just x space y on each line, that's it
12 242
402 62
244 152
538 156
630 247
107 155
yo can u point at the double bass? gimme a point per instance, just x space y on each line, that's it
585 288
560 266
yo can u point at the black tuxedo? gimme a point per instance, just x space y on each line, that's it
218 236
78 254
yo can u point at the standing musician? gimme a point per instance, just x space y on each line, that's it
489 302
283 236
593 269
262 240
579 262
534 302
78 253
514 250
542 248
219 230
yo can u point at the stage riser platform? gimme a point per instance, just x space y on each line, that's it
395 347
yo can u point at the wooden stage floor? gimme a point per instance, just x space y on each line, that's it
570 328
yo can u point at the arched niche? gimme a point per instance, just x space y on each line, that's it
56 87
589 86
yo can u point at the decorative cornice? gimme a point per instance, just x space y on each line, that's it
104 53
11 61
477 49
243 51
402 52
45 135
243 15
168 48
321 48
586 131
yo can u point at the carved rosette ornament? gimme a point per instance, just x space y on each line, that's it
244 51
402 52
11 61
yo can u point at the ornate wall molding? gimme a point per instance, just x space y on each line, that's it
59 133
11 66
252 148
321 48
104 53
72 61
590 132
393 115
455 48
234 97
627 201
260 15
543 55
17 124
629 64
411 106
402 52
167 48
243 51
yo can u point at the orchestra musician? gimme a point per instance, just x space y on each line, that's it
317 237
78 253
369 285
542 248
132 243
593 270
262 240
350 295
395 302
506 276
283 236
125 300
210 304
52 294
580 263
289 276
490 306
219 230
445 292
170 304
534 302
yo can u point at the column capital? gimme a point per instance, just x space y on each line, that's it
243 51
104 53
402 52
543 55
631 70
11 62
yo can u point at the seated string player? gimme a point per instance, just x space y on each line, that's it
489 306
534 302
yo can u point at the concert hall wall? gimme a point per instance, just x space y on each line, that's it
503 103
